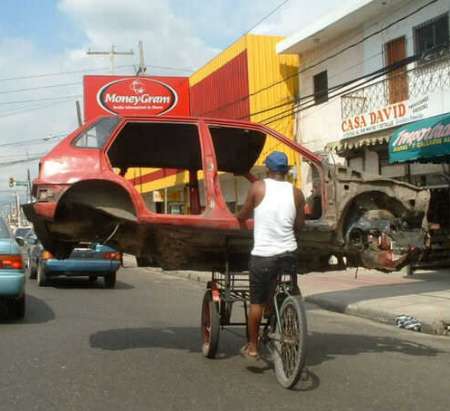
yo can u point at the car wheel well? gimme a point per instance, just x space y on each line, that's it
375 201
104 196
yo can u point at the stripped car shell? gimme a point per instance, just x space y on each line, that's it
367 221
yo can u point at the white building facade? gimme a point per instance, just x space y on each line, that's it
367 68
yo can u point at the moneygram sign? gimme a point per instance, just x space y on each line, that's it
136 96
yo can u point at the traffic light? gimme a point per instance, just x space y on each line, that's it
12 181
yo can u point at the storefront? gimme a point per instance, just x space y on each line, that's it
428 141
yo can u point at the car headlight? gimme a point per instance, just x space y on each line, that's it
45 194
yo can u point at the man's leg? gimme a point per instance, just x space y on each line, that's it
261 275
254 319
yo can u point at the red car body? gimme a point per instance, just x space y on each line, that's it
365 220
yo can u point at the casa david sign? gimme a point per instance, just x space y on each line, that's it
396 114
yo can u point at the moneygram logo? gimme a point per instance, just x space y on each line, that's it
137 96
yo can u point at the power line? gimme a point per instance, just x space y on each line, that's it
41 99
253 27
43 139
65 73
345 85
20 90
307 68
14 162
266 17
18 156
27 109
62 73
189 70
375 33
306 106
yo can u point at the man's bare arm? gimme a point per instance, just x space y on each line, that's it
251 201
300 208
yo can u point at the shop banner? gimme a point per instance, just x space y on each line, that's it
424 140
136 96
396 114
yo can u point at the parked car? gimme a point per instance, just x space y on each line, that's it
12 275
87 260
28 244
83 194
31 250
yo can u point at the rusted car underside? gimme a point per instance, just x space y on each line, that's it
372 222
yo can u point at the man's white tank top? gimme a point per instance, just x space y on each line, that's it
274 220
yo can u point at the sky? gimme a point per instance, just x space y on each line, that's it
43 45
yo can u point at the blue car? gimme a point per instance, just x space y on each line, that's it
12 275
88 260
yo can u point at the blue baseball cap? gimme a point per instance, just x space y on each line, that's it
277 162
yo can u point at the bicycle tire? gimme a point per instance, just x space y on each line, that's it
210 326
289 357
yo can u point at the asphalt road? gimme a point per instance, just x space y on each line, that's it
137 347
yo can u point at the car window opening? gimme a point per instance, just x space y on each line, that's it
164 162
237 150
240 157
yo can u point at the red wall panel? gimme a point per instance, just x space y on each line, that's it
224 93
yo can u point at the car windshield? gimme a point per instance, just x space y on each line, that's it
4 232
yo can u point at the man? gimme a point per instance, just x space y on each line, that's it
278 215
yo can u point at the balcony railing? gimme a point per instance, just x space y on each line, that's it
423 78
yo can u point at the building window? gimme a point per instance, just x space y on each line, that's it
321 87
432 35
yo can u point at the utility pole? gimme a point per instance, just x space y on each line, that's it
141 68
29 185
111 53
18 210
80 120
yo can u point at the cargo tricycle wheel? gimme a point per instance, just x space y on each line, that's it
210 325
290 348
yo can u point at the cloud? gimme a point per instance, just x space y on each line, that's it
176 33
168 39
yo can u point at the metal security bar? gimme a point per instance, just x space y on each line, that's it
424 77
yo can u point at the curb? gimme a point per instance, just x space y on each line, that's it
433 328
189 275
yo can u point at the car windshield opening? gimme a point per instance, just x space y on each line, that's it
97 135
163 161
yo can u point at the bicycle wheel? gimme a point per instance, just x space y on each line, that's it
289 352
210 325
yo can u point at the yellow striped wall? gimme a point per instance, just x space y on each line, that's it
273 81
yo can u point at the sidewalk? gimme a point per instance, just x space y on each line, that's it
374 295
384 297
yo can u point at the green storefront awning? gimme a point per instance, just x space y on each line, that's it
425 140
